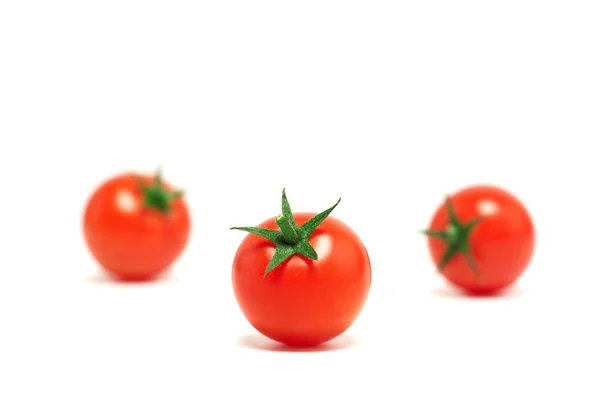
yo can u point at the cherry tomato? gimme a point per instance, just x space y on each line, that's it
481 239
304 283
136 226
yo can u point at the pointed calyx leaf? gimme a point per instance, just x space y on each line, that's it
456 236
286 210
309 226
282 253
273 236
290 238
306 250
156 195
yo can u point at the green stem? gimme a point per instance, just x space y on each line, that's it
291 239
156 196
287 229
456 235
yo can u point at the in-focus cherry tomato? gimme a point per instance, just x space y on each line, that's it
481 239
301 278
136 226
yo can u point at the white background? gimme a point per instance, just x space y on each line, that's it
388 104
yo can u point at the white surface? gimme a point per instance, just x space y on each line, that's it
389 105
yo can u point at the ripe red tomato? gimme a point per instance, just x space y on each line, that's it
482 239
304 284
136 226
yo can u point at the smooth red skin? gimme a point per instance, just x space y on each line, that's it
303 302
502 243
136 244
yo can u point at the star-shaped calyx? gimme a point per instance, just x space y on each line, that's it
290 239
155 194
456 237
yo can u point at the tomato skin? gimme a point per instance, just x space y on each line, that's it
129 240
502 244
303 302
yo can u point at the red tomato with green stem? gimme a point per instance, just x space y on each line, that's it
136 226
301 278
481 239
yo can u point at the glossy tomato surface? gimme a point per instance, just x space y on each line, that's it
501 244
303 302
130 240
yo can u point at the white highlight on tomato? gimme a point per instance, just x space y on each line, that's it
126 202
322 245
487 207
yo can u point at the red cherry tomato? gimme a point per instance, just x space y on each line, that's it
482 239
136 226
302 301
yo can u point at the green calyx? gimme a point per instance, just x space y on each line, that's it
290 239
456 237
156 196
